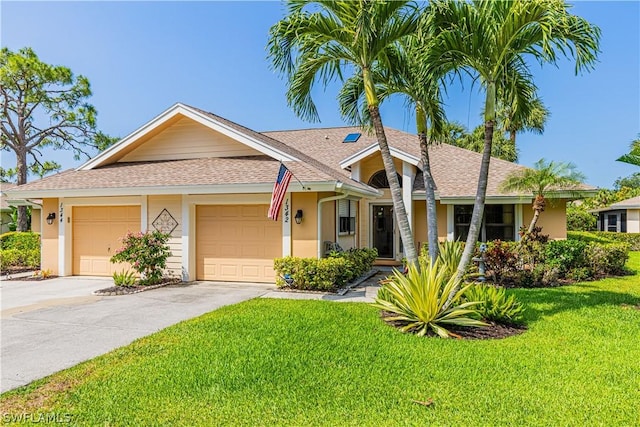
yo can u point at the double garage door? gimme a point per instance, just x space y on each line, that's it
235 243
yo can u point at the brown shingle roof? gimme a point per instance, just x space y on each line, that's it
191 172
3 199
455 170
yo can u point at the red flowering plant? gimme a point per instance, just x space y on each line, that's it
147 253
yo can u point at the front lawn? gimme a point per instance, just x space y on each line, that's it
268 362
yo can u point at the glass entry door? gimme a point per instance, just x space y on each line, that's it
382 230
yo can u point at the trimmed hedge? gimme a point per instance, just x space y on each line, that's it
19 250
325 274
633 239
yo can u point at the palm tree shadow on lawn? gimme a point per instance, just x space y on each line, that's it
545 302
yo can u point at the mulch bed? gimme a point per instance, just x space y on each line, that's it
493 331
31 278
128 290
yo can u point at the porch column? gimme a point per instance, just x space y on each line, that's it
517 223
450 223
355 171
62 247
188 239
408 173
286 225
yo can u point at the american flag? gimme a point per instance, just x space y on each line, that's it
279 190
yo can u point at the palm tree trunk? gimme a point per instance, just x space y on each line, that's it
539 205
429 187
534 220
394 186
478 207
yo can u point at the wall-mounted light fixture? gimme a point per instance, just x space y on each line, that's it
51 217
298 216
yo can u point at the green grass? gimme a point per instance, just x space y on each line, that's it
283 362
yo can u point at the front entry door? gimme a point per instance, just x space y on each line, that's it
382 224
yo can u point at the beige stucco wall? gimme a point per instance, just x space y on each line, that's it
553 220
187 139
49 236
633 220
173 205
304 242
373 164
36 220
420 233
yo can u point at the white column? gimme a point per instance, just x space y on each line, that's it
517 223
450 223
144 213
286 225
408 173
62 248
355 171
188 239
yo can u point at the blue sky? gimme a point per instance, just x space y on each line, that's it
142 57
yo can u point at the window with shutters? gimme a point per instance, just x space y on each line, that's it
347 216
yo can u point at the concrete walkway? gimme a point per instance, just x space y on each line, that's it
50 325
364 292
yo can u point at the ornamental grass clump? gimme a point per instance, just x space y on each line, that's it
416 301
495 305
147 253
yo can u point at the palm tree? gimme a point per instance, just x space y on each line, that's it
492 42
325 40
406 75
501 147
513 121
542 180
633 157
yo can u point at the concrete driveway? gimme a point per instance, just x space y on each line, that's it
54 324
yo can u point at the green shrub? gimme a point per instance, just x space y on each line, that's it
124 278
579 218
565 254
325 274
20 240
19 250
9 258
501 261
494 304
579 274
359 260
607 259
417 301
146 252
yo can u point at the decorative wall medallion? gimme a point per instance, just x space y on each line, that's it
165 223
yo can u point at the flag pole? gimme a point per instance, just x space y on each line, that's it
293 175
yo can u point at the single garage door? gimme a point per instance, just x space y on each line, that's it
236 243
97 231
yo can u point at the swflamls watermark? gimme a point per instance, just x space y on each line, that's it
37 417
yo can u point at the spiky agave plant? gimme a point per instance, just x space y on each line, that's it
418 299
450 255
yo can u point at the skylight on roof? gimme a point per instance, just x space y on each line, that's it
352 137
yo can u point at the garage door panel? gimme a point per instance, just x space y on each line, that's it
236 243
97 233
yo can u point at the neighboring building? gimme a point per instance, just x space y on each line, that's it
6 209
621 217
207 181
